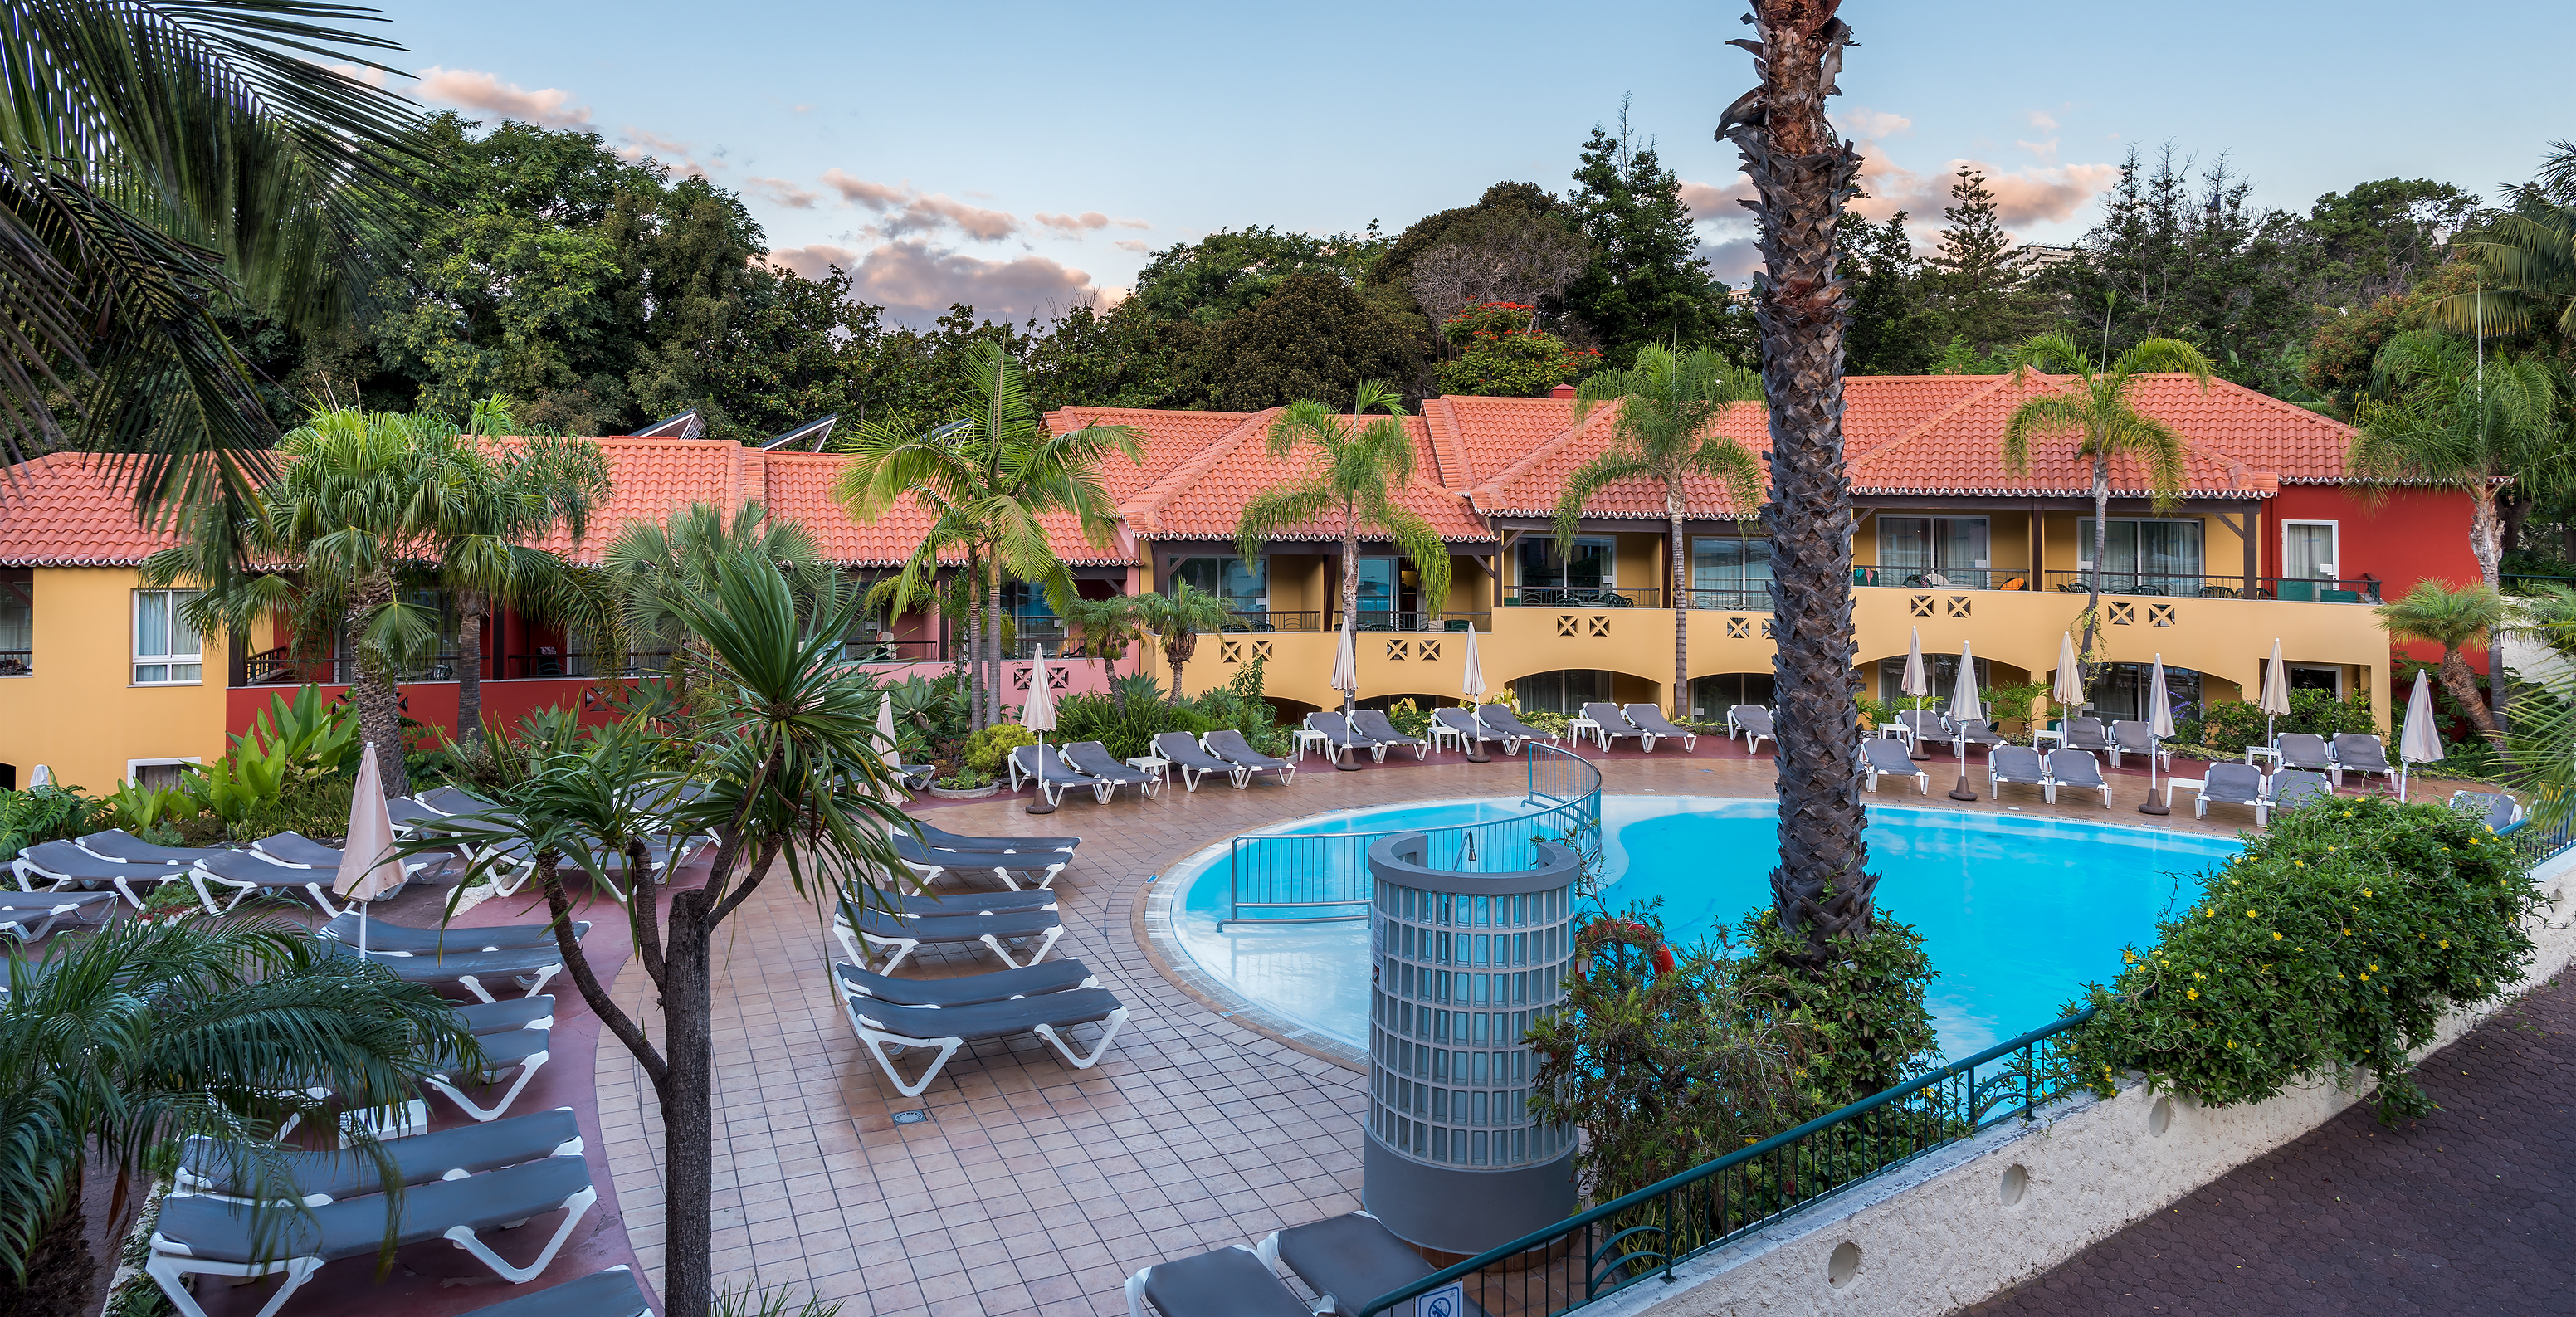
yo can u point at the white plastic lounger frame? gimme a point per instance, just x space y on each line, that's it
527 1067
318 889
16 920
852 937
869 1021
1894 762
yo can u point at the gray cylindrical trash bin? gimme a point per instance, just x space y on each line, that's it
1462 964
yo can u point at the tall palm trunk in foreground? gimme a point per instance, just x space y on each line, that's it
1803 172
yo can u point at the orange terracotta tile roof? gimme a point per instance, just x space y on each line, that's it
1958 450
1203 496
71 510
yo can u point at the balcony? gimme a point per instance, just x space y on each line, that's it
2353 590
1945 578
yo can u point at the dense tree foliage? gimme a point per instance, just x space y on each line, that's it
1646 283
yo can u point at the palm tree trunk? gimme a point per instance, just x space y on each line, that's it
993 609
61 1272
688 1111
471 606
1350 589
375 690
2101 564
1801 171
975 624
1680 603
2462 681
2486 534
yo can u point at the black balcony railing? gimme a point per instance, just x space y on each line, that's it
1943 578
1418 621
2345 590
550 663
1583 596
1274 620
17 662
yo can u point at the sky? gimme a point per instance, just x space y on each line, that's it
1027 158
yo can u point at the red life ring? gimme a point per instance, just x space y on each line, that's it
1628 933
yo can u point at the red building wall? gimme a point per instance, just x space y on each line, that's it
2401 536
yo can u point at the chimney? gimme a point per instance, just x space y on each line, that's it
1561 392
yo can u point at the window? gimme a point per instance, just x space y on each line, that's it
2308 550
1562 692
167 651
1953 548
1589 567
17 621
1942 670
2120 691
1730 573
1244 582
1377 585
2144 557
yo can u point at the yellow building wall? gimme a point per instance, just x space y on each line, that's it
80 712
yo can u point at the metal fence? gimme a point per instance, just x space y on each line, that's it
1596 1253
2316 590
1323 877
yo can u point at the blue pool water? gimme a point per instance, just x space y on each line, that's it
2017 913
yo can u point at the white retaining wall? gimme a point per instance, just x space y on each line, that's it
1980 1217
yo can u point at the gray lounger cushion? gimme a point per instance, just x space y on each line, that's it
503 1016
1613 723
1887 756
2014 763
2293 787
960 928
964 989
2360 752
211 1166
958 841
118 844
992 1019
296 848
930 857
1094 758
1183 750
386 936
1352 1259
236 867
1374 724
2237 784
610 1293
957 903
2074 768
532 966
2087 734
1230 1282
1652 719
1228 744
64 861
449 800
2304 750
32 915
1500 718
214 1230
1048 768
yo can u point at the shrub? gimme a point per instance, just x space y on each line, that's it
1862 1010
2234 724
1503 352
968 779
2335 941
986 750
40 814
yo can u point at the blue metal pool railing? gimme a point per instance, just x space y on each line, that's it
1596 1253
1298 873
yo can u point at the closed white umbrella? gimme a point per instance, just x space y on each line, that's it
1038 715
2276 691
1965 704
2067 692
1915 685
42 777
368 866
2421 742
885 730
1471 683
1346 679
2159 728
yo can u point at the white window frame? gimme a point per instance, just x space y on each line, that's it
2335 526
2084 540
134 778
136 658
2342 674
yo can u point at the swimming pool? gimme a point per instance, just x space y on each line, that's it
2016 912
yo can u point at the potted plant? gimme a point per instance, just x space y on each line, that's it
964 784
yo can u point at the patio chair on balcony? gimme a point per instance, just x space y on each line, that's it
859 929
1753 723
1228 744
1233 1281
1655 726
1184 753
1374 724
2496 809
2234 784
2305 750
1612 724
1348 1260
884 1029
1499 720
1884 756
2132 737
2076 770
205 1235
1053 778
2016 763
2293 787
2086 734
2362 753
1094 758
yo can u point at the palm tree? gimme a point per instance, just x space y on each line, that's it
2434 613
1178 618
538 483
1669 406
780 747
1352 474
992 478
1802 170
116 1045
2097 411
157 161
2437 415
1108 626
2526 258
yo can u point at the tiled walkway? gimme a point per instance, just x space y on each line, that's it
2468 1211
1032 1186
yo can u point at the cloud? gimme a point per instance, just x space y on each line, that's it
857 191
1707 201
2039 195
473 90
785 193
359 73
803 109
1089 219
673 153
1136 245
1871 125
2042 120
917 281
1132 223
907 210
813 260
2044 150
1731 262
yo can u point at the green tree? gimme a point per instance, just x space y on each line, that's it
2527 255
1229 271
485 559
1975 282
115 1046
1646 283
2454 619
1354 468
2441 415
1178 619
157 162
1314 336
1893 330
1503 353
650 565
1802 171
2378 240
2096 410
1667 433
991 479
1108 627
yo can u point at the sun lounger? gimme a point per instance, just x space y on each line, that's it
2493 808
297 849
1459 725
2076 770
610 1293
933 905
1184 753
966 989
477 972
1501 721
503 1016
1885 756
381 935
944 1029
125 848
1966 732
1652 723
1373 724
1340 738
54 865
2293 787
1052 777
1228 744
1753 721
453 801
2304 750
1230 1282
1612 724
1348 1260
208 1236
2234 784
2131 737
930 862
904 936
28 916
2086 734
1094 758
230 1170
2014 763
958 841
1925 727
245 875
516 1052
2362 753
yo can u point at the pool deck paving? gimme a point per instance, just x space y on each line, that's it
1017 1183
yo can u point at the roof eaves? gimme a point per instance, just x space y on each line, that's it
1494 487
1144 511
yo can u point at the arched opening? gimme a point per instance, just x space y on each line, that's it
2119 690
1713 695
1567 690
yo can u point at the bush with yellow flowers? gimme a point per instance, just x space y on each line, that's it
2331 946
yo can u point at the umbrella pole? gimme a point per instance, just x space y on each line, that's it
1963 791
1037 790
1347 761
2154 804
1475 743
